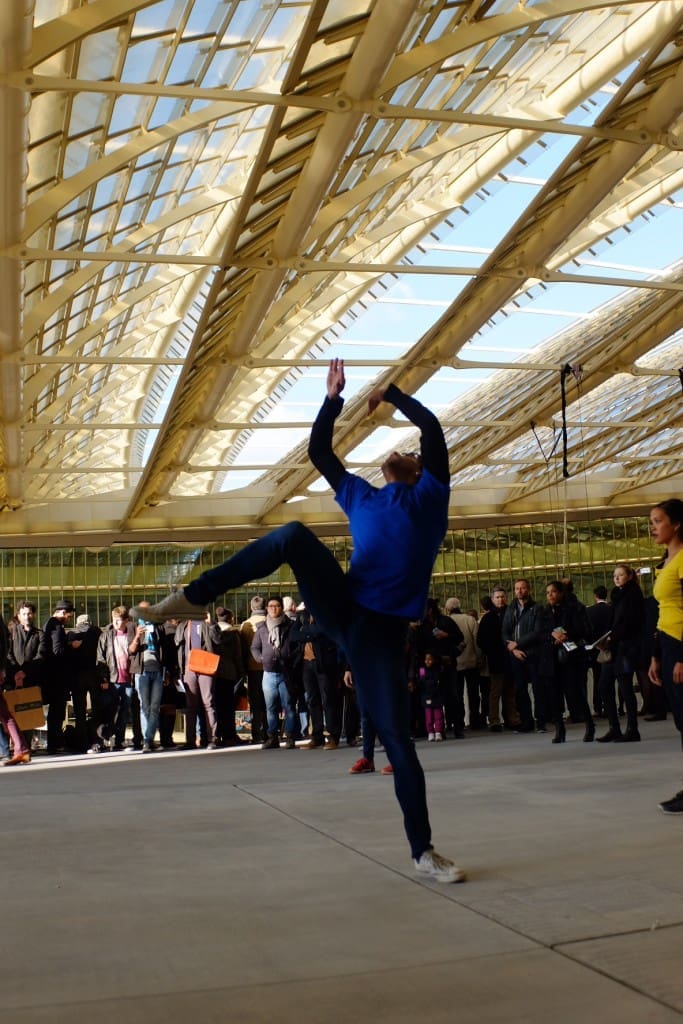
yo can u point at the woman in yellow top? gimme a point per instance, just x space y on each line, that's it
666 667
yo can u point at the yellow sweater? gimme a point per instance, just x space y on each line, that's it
668 591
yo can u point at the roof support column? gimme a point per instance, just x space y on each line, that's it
15 35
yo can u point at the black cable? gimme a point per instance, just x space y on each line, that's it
564 373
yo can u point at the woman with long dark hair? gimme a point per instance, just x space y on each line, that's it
624 642
666 666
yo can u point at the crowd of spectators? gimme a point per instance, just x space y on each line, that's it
519 665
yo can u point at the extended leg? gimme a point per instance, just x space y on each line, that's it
321 580
375 648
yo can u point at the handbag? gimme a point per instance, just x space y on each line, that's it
26 707
203 663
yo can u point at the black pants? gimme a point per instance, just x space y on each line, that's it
86 682
453 700
478 707
224 703
610 675
257 705
55 694
565 685
322 701
596 666
525 675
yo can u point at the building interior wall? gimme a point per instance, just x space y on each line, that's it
468 565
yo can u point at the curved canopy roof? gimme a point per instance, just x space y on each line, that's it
205 200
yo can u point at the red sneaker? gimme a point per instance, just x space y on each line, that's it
387 770
362 766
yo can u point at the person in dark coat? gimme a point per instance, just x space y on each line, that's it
600 619
226 642
492 646
523 635
56 677
439 633
320 674
85 680
623 645
565 630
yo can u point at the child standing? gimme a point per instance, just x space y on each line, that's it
432 696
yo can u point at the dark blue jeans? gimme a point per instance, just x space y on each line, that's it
374 644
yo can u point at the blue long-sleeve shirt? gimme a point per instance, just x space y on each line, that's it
396 529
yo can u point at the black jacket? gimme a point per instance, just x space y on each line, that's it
430 687
325 650
26 651
570 616
447 648
227 644
524 625
600 618
628 614
85 656
55 639
490 640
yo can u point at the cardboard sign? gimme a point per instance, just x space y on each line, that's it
26 707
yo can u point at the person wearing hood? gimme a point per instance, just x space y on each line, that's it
56 680
227 644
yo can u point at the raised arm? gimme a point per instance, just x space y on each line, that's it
432 442
320 445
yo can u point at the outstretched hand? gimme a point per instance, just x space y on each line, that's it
335 378
374 398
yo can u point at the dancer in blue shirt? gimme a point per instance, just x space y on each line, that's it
397 530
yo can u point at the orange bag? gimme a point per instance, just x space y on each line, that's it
204 663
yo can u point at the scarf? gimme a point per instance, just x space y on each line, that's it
274 630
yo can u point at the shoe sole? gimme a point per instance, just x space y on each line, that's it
459 877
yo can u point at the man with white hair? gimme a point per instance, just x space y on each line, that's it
467 664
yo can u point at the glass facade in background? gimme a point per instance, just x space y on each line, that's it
469 564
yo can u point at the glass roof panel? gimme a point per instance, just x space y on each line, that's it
418 192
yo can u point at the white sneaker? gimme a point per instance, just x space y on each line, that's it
430 738
438 737
175 606
439 868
